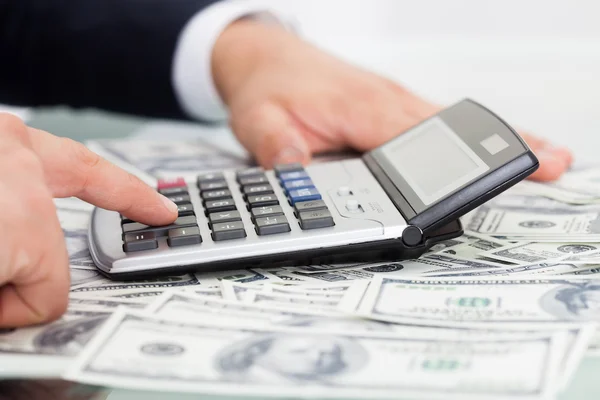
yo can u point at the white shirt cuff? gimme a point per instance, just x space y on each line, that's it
192 69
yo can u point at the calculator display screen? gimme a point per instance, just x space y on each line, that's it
433 160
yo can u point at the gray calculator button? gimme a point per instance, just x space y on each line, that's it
185 209
139 241
272 225
224 216
219 205
253 180
174 191
257 189
316 219
245 173
216 194
281 168
180 198
228 231
210 177
262 200
216 185
160 230
310 205
266 211
184 236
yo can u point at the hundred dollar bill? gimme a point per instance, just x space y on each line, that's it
577 187
84 276
74 218
559 268
141 351
338 290
150 159
238 291
344 303
529 253
506 304
536 217
106 285
245 276
88 303
473 249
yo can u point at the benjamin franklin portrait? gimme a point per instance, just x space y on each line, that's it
574 301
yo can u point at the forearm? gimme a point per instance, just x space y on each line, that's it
111 54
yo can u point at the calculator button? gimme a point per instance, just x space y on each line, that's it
216 185
272 225
210 177
139 241
219 205
179 198
228 231
282 168
185 209
168 183
353 206
248 172
307 194
216 194
174 191
344 191
253 180
184 236
298 184
180 222
262 200
309 206
316 219
266 211
224 216
292 176
257 189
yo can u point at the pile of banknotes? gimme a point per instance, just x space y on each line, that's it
508 309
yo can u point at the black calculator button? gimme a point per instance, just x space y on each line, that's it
266 211
184 236
228 231
174 191
282 168
210 177
216 194
219 205
216 185
139 241
180 222
309 206
262 200
272 225
185 209
180 198
253 180
224 216
257 189
248 172
316 219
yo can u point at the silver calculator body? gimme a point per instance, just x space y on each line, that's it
366 210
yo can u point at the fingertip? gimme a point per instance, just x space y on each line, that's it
551 167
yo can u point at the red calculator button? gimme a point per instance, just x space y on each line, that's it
169 183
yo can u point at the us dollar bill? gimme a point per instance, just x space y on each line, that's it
237 291
195 357
74 217
106 285
532 252
548 269
509 303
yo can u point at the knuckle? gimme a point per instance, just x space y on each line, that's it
81 154
13 126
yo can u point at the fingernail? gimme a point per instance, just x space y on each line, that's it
172 207
290 155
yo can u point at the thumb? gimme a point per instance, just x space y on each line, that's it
271 135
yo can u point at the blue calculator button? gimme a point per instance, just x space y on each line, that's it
298 195
292 176
298 184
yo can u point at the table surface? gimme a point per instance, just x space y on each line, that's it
90 125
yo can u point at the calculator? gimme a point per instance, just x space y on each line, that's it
391 203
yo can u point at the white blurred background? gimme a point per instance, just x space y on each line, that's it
535 62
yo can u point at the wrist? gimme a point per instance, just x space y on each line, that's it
244 47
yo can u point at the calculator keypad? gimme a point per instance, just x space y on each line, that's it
224 216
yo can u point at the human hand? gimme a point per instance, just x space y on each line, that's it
289 100
35 167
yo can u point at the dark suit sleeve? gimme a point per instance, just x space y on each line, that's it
110 54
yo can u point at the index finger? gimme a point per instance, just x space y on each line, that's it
72 170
